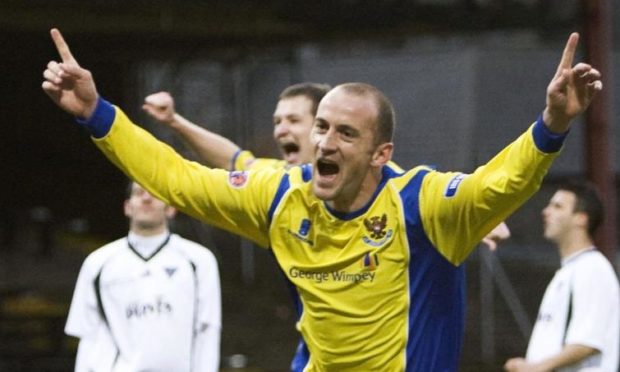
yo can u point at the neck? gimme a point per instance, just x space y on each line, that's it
350 205
148 230
573 243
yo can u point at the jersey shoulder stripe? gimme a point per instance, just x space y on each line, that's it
401 180
282 188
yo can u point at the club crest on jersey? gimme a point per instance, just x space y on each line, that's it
453 185
376 226
369 262
170 271
238 179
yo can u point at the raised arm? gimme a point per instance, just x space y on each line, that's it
460 209
233 201
212 149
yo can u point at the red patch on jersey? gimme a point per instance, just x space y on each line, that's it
237 179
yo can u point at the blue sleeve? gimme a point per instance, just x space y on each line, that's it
234 160
545 140
100 122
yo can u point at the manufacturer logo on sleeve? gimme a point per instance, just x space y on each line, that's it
453 185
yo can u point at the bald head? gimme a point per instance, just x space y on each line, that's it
386 118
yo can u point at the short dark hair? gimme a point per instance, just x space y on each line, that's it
587 200
314 91
129 189
386 117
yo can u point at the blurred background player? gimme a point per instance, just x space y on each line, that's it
578 323
149 301
293 119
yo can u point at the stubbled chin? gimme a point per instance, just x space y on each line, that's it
324 186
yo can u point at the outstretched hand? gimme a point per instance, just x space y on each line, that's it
571 90
70 86
160 106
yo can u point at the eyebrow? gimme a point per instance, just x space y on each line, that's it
286 116
347 127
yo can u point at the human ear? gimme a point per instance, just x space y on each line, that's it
382 154
581 218
170 212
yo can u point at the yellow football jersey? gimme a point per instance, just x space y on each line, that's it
381 288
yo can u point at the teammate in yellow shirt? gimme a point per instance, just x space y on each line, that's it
292 121
374 254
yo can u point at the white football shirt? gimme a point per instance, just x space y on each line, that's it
580 306
147 307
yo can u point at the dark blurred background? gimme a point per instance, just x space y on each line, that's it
465 76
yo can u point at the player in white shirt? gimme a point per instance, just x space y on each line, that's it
147 302
578 323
